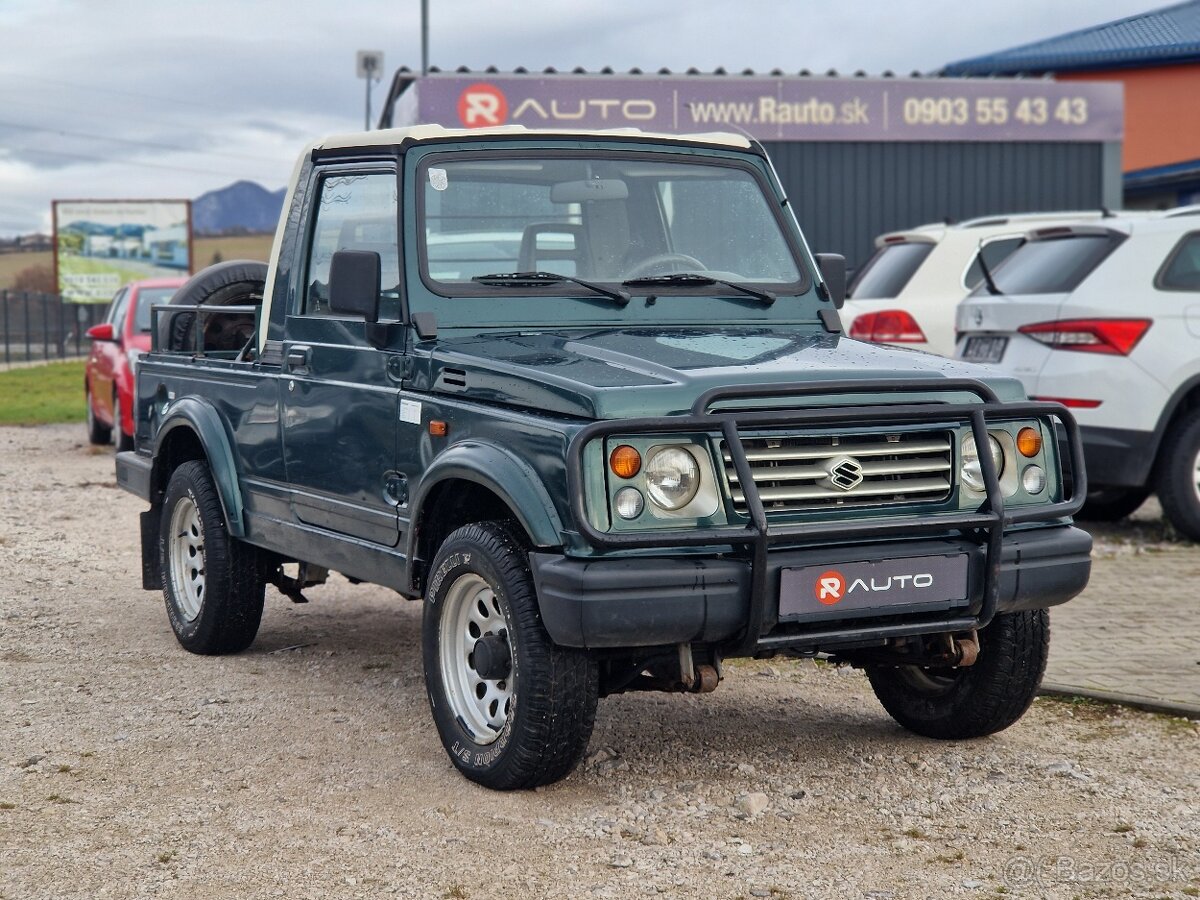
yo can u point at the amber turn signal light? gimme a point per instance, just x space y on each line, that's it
438 428
625 461
1029 441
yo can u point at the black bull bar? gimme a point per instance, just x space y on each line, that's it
989 520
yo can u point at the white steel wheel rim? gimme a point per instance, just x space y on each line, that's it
1196 476
187 558
469 612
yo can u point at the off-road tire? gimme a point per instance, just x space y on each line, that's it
555 689
1177 478
970 702
97 431
1112 504
238 282
222 617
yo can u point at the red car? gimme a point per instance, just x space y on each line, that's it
116 344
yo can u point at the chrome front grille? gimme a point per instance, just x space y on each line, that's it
795 473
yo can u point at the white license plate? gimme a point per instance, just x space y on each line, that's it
985 349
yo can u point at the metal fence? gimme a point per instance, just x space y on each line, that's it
35 326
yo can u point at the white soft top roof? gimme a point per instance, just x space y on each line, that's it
390 136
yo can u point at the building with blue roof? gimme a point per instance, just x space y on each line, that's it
1156 56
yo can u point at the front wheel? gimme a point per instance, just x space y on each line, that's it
971 701
212 583
513 710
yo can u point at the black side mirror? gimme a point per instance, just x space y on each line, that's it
354 284
833 273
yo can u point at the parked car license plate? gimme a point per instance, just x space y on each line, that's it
985 349
832 590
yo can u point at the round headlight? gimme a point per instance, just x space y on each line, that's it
972 470
672 478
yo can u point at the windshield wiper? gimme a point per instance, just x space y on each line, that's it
696 278
987 276
525 278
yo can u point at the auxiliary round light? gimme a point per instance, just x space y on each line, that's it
625 461
1029 441
972 468
672 478
629 503
1033 479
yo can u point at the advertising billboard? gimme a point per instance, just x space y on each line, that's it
778 109
100 245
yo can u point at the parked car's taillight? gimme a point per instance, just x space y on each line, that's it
893 326
1115 336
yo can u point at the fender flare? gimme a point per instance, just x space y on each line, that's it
510 478
202 419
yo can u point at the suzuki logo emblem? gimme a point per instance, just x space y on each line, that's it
845 473
977 315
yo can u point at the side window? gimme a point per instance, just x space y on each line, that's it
1181 271
354 212
993 253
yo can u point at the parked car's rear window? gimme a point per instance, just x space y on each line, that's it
148 297
889 270
1182 270
1051 266
993 253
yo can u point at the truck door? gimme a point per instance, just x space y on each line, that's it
340 397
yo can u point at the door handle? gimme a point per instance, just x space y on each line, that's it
297 358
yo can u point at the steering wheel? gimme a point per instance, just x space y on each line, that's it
657 264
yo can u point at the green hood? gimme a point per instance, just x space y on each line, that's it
624 372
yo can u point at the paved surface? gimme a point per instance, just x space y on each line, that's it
1134 635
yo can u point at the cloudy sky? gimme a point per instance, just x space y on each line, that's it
170 98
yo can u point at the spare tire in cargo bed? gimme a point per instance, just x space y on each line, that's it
238 282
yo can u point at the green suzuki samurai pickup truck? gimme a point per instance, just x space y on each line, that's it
586 397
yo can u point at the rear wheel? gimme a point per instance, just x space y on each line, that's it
1178 482
971 701
513 710
123 441
1112 504
212 583
97 431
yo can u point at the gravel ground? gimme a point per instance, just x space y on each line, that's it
309 767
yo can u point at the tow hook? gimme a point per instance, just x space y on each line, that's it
698 679
964 648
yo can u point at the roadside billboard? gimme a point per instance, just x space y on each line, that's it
100 245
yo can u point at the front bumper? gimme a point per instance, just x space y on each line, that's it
990 535
646 601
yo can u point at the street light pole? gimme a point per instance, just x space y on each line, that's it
370 68
424 37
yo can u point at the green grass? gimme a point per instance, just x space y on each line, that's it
41 395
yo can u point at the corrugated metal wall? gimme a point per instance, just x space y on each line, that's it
845 194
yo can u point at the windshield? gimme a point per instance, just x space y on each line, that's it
1050 266
889 270
602 219
148 297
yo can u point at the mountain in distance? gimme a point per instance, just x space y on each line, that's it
241 206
